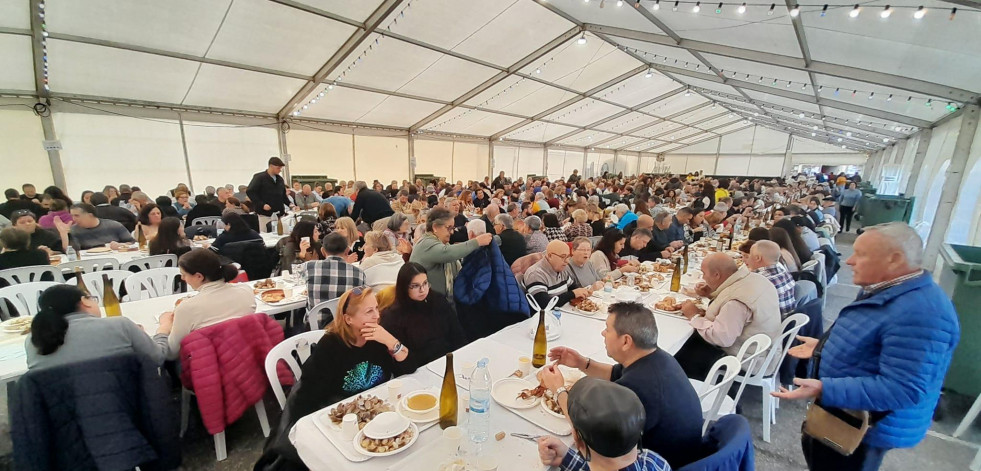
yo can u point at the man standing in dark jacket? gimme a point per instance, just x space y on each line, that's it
370 205
267 190
104 210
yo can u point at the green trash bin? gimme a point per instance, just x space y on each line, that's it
879 209
960 278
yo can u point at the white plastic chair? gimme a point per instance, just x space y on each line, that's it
313 315
383 273
151 262
151 283
300 346
220 451
713 391
88 265
207 221
93 281
23 298
774 359
31 274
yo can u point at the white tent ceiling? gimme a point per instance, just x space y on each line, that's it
631 75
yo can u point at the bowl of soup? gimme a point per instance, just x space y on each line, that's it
420 402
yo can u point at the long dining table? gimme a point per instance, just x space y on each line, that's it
144 312
580 331
121 257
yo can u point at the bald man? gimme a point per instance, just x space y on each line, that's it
742 305
490 212
548 277
764 258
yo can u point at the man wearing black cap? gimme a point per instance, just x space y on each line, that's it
607 423
267 190
673 424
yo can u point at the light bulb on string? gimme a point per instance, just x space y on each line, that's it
909 99
929 102
871 94
619 3
770 11
582 39
953 11
837 90
719 9
742 8
886 12
688 91
650 72
855 11
824 10
697 8
919 13
889 98
657 5
795 11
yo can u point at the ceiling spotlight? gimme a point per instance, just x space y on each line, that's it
697 8
795 11
657 5
886 12
742 8
855 11
650 72
919 13
582 39
770 11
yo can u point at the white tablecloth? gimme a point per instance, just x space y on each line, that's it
578 332
123 257
143 312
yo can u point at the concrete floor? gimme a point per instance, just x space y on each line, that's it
937 452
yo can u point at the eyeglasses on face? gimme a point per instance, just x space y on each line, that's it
419 286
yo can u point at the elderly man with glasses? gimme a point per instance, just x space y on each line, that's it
548 277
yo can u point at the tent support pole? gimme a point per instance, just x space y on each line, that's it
187 159
921 150
284 153
952 184
788 157
54 155
412 158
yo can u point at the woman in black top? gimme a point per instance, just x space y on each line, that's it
17 250
422 319
236 230
170 238
707 197
800 247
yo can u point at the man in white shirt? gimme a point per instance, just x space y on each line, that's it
743 304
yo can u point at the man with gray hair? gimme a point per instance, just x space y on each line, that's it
673 427
475 228
369 205
764 258
535 239
887 353
513 245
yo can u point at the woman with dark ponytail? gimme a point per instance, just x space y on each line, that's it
69 328
217 299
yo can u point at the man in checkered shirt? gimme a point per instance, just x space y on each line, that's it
329 278
764 258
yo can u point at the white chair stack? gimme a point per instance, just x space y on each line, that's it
23 298
153 261
14 276
151 283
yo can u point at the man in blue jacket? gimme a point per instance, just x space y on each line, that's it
887 353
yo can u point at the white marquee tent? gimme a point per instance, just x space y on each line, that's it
155 93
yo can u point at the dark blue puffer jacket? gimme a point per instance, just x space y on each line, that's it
486 279
890 352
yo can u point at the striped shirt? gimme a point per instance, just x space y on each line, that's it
781 279
875 288
543 283
647 460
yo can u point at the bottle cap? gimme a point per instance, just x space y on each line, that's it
482 363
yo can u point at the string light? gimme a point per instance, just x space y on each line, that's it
697 8
582 39
919 13
795 11
824 9
657 5
855 11
886 12
742 8
953 11
675 8
770 11
650 72
688 91
719 9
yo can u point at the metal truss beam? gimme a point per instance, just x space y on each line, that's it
593 125
669 119
710 131
682 146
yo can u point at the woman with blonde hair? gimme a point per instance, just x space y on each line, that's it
580 226
378 250
345 226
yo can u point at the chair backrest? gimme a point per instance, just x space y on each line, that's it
805 291
730 441
718 381
93 281
778 351
383 273
151 262
294 351
21 299
207 221
314 315
820 270
525 262
31 274
751 356
88 265
152 283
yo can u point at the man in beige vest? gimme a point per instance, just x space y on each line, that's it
743 304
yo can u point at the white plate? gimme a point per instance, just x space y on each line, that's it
505 392
360 435
386 425
14 326
426 418
404 402
549 411
658 298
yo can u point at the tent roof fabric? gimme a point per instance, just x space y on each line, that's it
630 76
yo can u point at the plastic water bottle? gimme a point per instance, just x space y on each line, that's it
72 254
480 393
608 291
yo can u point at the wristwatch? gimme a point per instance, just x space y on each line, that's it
561 390
395 350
